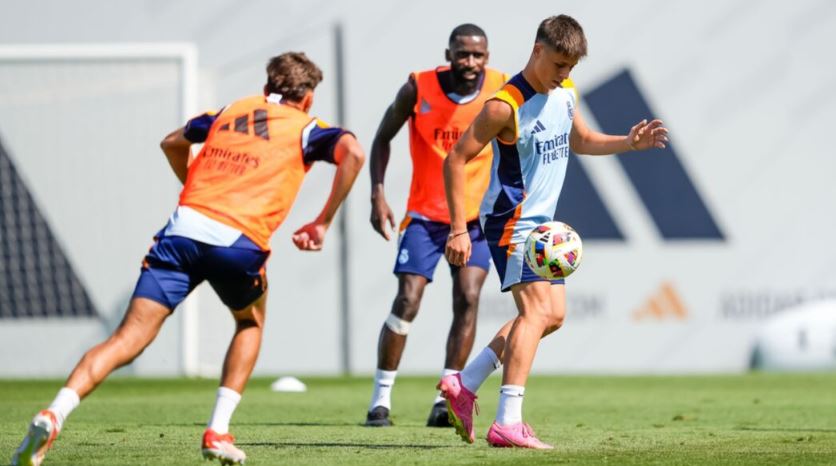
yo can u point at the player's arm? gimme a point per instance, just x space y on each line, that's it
349 158
177 145
495 119
176 148
393 119
644 135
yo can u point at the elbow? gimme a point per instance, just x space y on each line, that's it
578 141
578 145
351 153
169 143
450 163
453 159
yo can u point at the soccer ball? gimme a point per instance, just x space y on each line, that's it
553 250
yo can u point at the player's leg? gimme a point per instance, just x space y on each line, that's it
538 316
541 307
460 389
490 358
139 327
240 359
238 276
391 344
157 293
395 329
419 250
467 287
245 345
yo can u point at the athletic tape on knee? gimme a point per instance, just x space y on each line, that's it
397 325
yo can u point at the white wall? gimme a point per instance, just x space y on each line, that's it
744 88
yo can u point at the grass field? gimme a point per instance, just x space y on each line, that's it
751 419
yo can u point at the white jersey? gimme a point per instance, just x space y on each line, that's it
527 174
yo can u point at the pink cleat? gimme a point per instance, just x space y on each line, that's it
519 435
460 405
41 434
222 448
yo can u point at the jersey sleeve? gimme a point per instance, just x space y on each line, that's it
514 98
569 84
319 140
197 129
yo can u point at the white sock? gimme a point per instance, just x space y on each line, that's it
479 369
382 395
63 404
444 373
225 403
510 404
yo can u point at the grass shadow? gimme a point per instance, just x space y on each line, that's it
793 429
371 446
298 424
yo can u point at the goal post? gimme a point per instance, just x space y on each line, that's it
19 62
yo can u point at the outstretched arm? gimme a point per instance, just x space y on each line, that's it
394 118
643 135
177 145
496 118
176 148
349 158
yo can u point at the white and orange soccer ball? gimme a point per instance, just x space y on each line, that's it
553 250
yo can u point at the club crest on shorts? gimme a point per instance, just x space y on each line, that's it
403 257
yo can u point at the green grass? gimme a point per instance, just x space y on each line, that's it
752 419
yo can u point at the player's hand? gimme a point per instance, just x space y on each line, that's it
457 250
310 237
648 135
381 215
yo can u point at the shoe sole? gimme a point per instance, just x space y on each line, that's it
385 423
457 424
210 454
454 420
511 444
36 438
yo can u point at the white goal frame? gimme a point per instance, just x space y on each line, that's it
186 54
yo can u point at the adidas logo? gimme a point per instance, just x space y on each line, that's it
538 127
664 304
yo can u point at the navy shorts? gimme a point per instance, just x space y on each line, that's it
175 265
421 244
512 268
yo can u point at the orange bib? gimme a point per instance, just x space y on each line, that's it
250 168
436 125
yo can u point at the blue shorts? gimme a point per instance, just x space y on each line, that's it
175 265
512 268
421 244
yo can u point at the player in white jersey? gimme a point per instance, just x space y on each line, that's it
533 122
